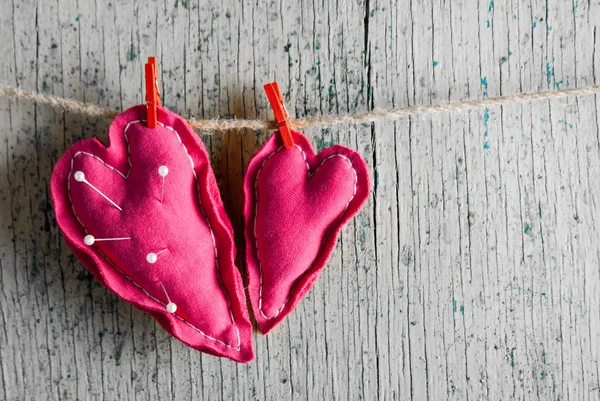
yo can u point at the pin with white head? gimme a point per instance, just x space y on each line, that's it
162 171
171 307
91 240
153 257
80 177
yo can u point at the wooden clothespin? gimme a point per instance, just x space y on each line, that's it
281 114
152 91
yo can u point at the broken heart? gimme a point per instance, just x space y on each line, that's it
144 215
296 204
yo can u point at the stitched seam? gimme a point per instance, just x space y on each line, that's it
326 233
125 176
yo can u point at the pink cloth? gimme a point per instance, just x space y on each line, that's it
188 230
296 204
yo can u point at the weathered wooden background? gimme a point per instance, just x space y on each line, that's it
471 273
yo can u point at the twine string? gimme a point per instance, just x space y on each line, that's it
92 110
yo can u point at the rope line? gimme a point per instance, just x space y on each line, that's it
324 121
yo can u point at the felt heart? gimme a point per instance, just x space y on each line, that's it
144 215
296 204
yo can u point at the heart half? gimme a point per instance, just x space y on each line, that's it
144 215
296 204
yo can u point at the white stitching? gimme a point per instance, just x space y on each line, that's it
324 238
125 176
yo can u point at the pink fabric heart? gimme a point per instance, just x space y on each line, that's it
161 238
296 204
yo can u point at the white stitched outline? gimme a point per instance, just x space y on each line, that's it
125 176
326 233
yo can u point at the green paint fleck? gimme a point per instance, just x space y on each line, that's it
462 309
435 63
491 6
534 24
559 339
542 375
576 217
512 357
454 305
184 4
77 19
322 143
527 229
488 24
503 60
549 73
360 93
486 118
470 219
132 55
544 357
460 160
54 45
575 7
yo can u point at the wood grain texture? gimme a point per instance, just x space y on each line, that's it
471 273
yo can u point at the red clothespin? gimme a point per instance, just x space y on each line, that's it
281 114
152 92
